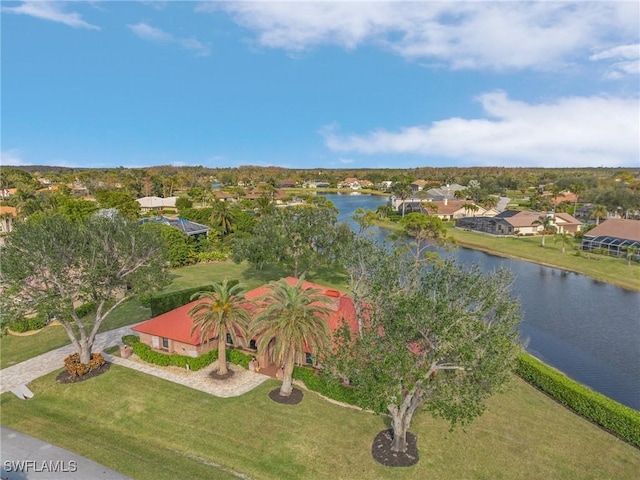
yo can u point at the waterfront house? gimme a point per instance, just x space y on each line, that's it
614 236
171 331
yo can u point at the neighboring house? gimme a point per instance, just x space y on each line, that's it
150 204
448 210
185 226
515 222
315 184
224 196
8 192
448 192
288 184
7 217
171 331
418 185
614 235
50 188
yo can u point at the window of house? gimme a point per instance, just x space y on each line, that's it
253 345
309 359
165 342
229 339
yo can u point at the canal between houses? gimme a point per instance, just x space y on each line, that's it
587 329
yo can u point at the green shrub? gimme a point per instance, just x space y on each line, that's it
314 380
86 309
609 414
28 324
165 302
165 360
130 340
212 256
238 358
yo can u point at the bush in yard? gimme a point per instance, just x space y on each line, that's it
77 369
165 360
238 358
130 340
28 324
166 302
326 386
609 414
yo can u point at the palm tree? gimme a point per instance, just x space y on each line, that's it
546 222
631 251
223 217
598 212
403 192
224 313
576 189
564 238
294 318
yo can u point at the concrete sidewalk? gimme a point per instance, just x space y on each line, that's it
25 372
27 458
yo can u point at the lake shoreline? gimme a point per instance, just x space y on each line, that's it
626 285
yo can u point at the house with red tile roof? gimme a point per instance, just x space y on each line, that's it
171 331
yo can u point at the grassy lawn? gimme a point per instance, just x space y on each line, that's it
17 349
599 267
248 276
153 429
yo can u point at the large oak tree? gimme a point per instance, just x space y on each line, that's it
54 264
439 337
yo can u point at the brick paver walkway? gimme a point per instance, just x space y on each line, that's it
25 372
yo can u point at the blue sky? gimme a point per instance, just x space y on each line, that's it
310 84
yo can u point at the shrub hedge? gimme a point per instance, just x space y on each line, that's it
165 302
130 340
609 414
164 360
238 358
325 386
28 324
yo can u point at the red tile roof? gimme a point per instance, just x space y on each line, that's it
177 324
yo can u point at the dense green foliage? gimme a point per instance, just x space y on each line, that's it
236 357
130 340
165 360
50 263
325 385
165 302
621 420
28 324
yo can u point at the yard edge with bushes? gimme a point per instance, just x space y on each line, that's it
618 419
622 421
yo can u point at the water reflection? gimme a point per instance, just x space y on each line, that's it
588 329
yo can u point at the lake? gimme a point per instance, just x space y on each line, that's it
587 329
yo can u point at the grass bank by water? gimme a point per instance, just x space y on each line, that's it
611 270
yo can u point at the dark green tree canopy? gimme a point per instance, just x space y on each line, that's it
440 336
52 263
298 238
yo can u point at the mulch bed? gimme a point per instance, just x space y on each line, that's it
293 399
216 376
66 377
382 453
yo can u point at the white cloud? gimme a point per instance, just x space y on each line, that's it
345 161
51 11
627 60
11 158
153 34
575 131
462 35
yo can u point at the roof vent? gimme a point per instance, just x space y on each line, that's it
332 293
